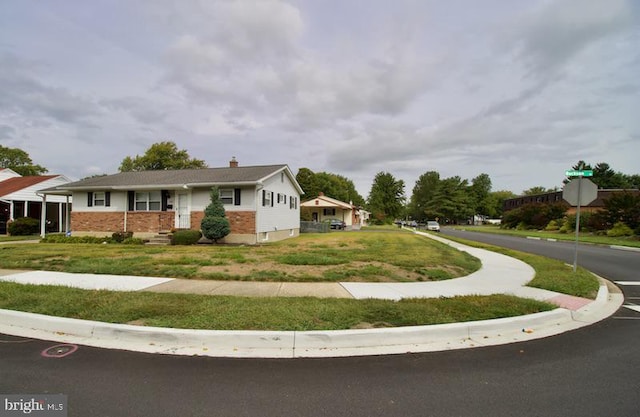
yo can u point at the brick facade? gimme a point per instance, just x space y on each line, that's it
241 222
137 222
150 222
82 221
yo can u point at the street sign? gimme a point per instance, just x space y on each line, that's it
579 192
579 173
587 192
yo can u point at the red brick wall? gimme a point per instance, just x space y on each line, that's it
140 222
97 222
241 222
150 222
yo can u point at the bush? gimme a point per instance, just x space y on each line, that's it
620 229
215 228
185 237
24 226
552 226
119 237
215 225
75 239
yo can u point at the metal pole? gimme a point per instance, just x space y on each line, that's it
575 252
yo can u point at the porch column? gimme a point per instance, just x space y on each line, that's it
60 217
26 209
67 220
43 216
11 218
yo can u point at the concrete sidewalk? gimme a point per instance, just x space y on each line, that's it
499 274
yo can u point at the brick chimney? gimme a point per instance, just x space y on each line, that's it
233 163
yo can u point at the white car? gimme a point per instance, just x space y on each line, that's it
433 226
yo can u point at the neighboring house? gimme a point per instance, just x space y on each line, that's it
556 197
261 202
20 197
323 208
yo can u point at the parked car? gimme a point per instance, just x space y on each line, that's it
337 224
433 226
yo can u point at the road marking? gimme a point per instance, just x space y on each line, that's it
632 307
630 283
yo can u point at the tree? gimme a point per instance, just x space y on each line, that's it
497 199
162 155
386 198
538 190
332 185
423 192
480 190
19 161
451 201
606 178
215 224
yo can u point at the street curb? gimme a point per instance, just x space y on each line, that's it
295 344
627 248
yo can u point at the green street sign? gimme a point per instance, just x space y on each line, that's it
581 173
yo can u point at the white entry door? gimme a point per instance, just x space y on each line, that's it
184 217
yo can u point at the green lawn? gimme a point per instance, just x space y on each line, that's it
377 256
243 313
385 254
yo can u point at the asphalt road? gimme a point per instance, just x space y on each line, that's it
613 264
592 371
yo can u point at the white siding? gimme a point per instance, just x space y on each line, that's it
279 216
7 173
119 202
30 193
201 198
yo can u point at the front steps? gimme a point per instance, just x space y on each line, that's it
161 239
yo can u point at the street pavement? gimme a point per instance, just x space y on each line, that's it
499 274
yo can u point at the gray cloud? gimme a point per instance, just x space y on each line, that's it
557 31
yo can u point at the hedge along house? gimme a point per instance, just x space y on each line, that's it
261 202
20 197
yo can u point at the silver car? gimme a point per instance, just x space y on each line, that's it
433 226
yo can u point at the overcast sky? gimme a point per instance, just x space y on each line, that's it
520 90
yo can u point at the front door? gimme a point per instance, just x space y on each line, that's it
183 220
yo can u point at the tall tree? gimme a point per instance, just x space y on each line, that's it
332 185
386 198
480 190
423 192
19 161
605 177
497 198
162 155
451 201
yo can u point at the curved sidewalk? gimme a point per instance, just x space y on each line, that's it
499 274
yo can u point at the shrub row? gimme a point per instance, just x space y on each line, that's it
60 238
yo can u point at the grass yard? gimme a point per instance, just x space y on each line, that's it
242 313
374 256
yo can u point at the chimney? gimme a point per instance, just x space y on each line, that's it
233 163
321 194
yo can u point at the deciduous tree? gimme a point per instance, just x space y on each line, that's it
19 161
162 155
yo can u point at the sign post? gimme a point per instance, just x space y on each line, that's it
579 192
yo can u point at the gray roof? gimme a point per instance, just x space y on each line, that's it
178 178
